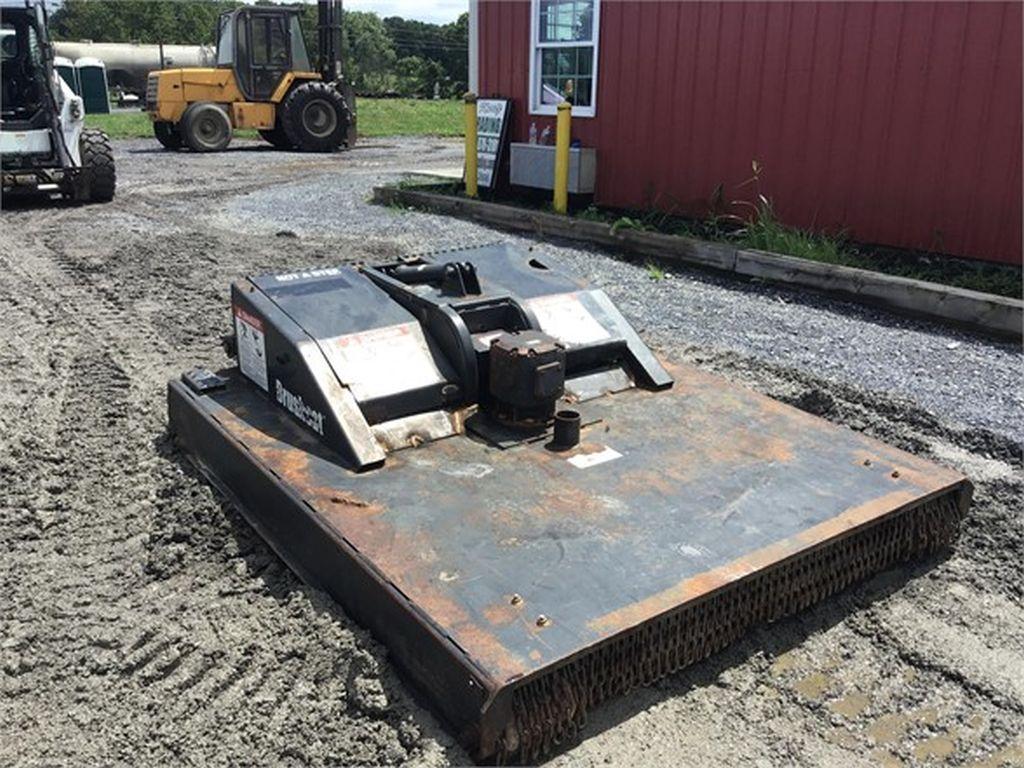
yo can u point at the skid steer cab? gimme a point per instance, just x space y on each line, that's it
263 80
45 148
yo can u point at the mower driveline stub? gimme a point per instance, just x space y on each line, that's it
519 587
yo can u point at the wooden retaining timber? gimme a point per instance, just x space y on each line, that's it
994 315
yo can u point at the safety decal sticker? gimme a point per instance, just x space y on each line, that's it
564 317
252 348
382 361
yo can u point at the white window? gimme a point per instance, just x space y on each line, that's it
563 56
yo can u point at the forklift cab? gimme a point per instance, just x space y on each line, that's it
261 45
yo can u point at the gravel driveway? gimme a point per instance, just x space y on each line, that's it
142 621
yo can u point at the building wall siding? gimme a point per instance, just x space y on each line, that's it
897 123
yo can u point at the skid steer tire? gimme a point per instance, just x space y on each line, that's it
205 127
315 117
97 179
168 135
277 137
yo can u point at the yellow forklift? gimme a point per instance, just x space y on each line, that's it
263 79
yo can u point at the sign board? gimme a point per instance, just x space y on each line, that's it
492 120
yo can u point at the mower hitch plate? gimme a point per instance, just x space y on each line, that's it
515 586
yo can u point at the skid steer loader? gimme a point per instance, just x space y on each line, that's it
263 80
44 146
482 461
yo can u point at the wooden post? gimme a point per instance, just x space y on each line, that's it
563 131
471 157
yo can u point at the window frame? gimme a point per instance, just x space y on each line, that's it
226 35
297 45
537 49
267 44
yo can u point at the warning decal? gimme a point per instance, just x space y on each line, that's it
383 361
564 317
252 350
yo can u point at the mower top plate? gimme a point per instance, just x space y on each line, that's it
668 497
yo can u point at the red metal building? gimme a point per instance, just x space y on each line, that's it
898 123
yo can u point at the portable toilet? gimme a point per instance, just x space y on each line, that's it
92 79
66 69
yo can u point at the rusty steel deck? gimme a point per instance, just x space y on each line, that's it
518 588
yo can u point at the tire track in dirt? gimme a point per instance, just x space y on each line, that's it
130 500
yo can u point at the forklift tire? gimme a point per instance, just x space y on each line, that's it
315 117
205 127
277 138
168 135
97 179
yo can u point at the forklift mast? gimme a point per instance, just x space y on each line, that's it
329 39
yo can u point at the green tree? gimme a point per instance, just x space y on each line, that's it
368 52
447 45
186 22
415 76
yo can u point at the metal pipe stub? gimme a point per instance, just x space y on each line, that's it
567 430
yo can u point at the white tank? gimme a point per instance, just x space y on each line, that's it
127 64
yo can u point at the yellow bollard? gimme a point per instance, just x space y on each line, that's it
562 134
471 158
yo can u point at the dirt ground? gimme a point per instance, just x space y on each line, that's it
143 622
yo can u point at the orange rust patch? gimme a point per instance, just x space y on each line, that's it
399 556
292 465
568 501
348 500
913 470
503 613
586 448
570 508
719 393
710 581
709 450
767 448
643 480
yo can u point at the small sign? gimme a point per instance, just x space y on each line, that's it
252 349
492 119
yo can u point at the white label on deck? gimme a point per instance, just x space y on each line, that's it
585 460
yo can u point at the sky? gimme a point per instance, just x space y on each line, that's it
436 11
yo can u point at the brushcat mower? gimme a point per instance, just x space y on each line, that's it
482 461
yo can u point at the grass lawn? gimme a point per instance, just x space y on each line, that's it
122 125
377 117
409 117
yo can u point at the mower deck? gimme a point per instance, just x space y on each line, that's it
518 587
